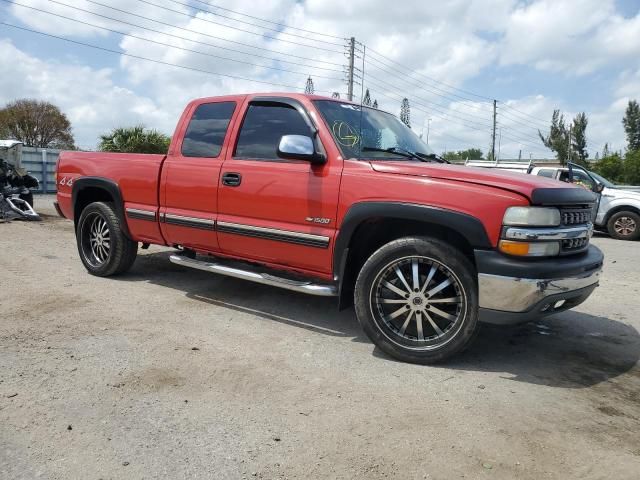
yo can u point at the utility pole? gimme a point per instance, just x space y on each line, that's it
493 133
428 128
352 57
569 146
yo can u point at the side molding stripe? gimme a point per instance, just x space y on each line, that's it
288 236
138 214
193 222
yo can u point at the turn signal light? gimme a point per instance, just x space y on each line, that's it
529 249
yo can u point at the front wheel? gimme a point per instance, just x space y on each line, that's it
416 299
103 247
624 226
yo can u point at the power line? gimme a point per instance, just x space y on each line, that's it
449 113
429 105
436 94
268 21
399 97
169 45
276 39
280 31
197 33
104 49
427 77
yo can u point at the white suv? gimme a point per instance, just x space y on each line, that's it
618 206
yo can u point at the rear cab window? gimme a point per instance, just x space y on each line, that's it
547 172
207 128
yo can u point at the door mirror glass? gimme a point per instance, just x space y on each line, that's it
298 147
599 187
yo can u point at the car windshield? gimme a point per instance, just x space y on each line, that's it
364 132
602 180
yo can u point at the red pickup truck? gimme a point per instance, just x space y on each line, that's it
326 197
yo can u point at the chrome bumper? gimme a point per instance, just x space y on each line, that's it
505 300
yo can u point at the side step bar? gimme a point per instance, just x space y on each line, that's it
323 290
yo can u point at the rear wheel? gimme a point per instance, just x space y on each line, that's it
624 226
102 245
416 298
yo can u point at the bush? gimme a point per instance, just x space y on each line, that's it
611 167
134 140
632 168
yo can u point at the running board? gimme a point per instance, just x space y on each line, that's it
323 290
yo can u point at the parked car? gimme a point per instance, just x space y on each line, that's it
618 210
324 197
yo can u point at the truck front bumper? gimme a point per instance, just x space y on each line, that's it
513 290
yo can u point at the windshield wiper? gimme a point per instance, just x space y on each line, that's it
423 157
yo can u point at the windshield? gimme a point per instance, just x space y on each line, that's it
602 180
369 133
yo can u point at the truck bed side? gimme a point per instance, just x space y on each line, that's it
135 176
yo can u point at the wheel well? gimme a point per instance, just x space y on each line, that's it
621 208
89 195
373 233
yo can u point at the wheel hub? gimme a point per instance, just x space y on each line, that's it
625 226
418 301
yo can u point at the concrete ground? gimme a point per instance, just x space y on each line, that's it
171 373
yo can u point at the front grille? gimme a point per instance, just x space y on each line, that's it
576 216
574 244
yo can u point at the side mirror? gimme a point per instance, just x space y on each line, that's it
299 147
599 187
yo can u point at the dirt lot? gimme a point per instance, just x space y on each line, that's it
169 373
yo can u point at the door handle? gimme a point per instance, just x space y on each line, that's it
231 179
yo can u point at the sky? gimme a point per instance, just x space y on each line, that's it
451 59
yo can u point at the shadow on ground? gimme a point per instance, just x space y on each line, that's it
569 350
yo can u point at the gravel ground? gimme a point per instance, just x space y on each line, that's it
172 373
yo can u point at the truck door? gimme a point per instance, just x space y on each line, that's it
271 209
189 186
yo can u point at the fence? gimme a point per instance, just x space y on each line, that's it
41 163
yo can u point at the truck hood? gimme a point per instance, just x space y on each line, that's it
521 183
620 193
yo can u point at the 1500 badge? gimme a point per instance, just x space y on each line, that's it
321 220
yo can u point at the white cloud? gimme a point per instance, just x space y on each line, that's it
575 37
89 97
451 41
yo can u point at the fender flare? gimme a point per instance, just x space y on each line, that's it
108 185
619 205
471 228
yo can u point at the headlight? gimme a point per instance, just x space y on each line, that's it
532 216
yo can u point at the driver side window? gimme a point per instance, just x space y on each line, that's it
263 127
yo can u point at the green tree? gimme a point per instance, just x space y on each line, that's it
610 166
134 140
468 154
631 122
375 104
308 88
579 152
335 95
632 167
367 98
405 112
557 139
36 124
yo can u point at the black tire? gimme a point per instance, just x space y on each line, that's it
103 247
376 303
624 225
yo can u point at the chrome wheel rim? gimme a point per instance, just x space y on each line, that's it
625 226
418 302
96 240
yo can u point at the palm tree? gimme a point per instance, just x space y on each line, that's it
134 140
